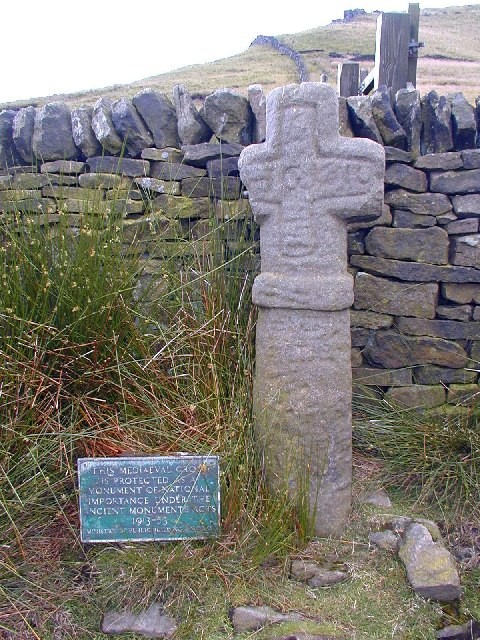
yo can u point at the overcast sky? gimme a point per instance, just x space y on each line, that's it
60 46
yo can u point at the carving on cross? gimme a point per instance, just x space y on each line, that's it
305 183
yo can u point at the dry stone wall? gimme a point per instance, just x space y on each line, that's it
171 170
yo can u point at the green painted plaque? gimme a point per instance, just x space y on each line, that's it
149 498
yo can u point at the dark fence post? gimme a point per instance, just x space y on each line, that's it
414 13
391 51
348 79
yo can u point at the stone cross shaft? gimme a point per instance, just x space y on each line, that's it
305 183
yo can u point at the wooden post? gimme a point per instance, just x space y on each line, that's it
414 13
391 51
347 79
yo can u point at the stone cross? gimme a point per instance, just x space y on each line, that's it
305 183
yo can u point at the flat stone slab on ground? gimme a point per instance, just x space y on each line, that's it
253 618
151 623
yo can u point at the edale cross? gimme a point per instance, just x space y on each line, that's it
305 183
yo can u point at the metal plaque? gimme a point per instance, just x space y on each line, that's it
149 498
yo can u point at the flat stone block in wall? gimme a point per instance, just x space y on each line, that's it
222 167
104 181
462 226
83 134
474 350
152 185
370 320
440 161
22 133
449 329
103 127
63 166
30 205
392 154
390 297
132 194
433 374
394 351
421 245
471 158
476 313
372 376
175 171
465 250
167 154
52 133
226 188
181 207
409 220
402 175
158 113
234 210
385 219
360 336
461 293
418 396
463 393
467 206
463 313
13 195
121 166
198 155
456 182
432 204
78 193
29 181
151 226
414 271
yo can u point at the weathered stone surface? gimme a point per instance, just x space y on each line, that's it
384 540
476 313
390 129
227 188
222 167
464 126
460 312
103 128
327 578
355 242
431 569
357 358
316 575
432 204
104 181
252 618
159 115
199 154
455 182
384 220
175 171
361 118
153 185
257 100
8 153
130 127
422 245
462 226
377 498
409 220
229 116
465 250
61 179
461 293
437 127
382 377
52 133
463 393
414 271
402 175
440 161
471 159
167 154
63 166
449 329
468 631
392 154
433 374
181 208
79 193
30 205
408 110
418 396
22 133
446 218
395 298
120 166
394 351
192 128
151 623
304 291
370 320
83 134
467 206
29 181
474 350
344 126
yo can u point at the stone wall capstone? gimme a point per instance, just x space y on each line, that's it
169 168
